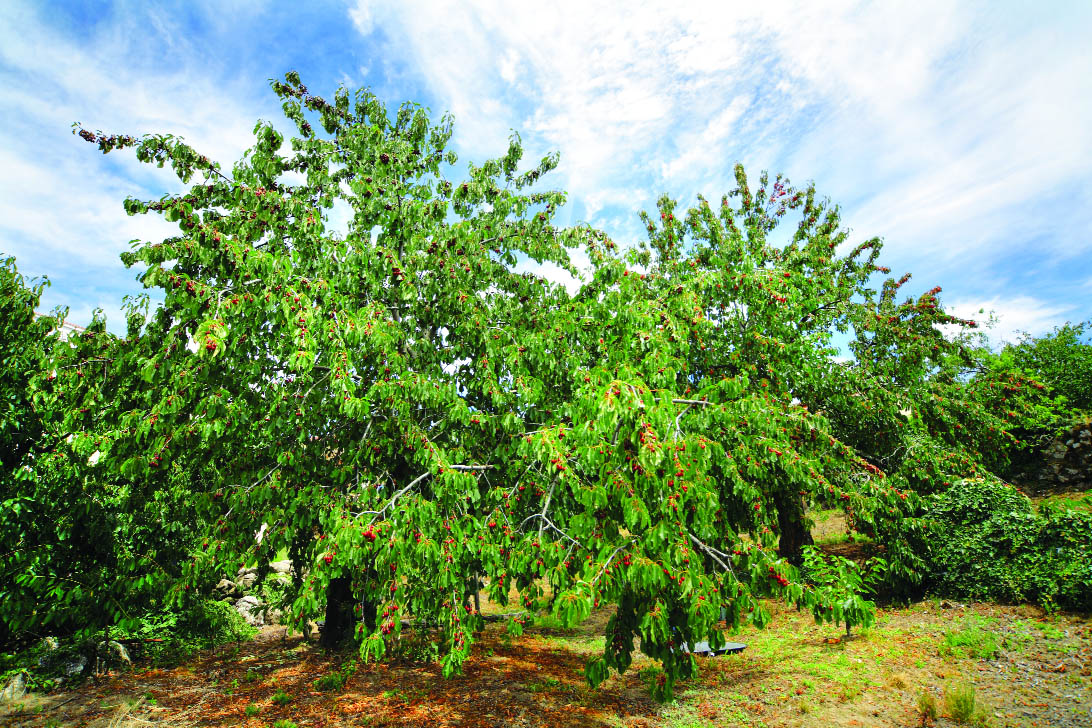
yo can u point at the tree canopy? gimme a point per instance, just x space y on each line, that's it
410 416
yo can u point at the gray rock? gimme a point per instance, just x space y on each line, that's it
281 567
252 609
114 652
70 663
73 664
15 689
226 589
246 578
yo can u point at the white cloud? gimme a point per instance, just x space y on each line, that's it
935 125
361 15
60 201
1015 315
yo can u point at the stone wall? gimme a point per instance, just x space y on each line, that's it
1066 463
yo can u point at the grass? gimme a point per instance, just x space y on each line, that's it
962 705
544 685
927 706
1068 501
970 641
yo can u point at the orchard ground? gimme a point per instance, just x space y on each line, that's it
1027 668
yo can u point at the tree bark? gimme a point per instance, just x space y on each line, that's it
794 532
339 613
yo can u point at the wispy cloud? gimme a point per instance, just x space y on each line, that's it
1013 316
60 202
960 133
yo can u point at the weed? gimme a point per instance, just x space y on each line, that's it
281 698
927 706
546 683
416 646
335 681
252 710
649 674
284 723
971 641
962 705
252 675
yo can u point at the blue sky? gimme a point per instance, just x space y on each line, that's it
960 133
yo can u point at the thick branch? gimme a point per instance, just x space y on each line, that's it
713 553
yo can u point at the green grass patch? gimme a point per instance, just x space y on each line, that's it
970 641
1068 502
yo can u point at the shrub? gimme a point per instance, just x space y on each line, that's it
252 710
281 698
983 539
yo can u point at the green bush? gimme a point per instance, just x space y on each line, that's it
1062 359
983 539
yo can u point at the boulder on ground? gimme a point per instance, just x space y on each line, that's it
15 689
281 567
114 652
252 609
246 578
226 590
69 663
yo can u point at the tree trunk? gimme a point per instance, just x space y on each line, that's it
790 522
339 613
